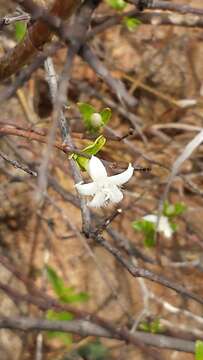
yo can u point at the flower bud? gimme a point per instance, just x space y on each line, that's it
96 120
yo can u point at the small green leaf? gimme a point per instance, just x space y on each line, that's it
171 210
65 294
61 316
138 225
144 326
106 114
131 23
180 208
152 326
96 146
66 338
149 240
117 4
20 30
174 226
91 149
94 351
148 228
86 111
81 161
199 350
156 327
69 296
56 282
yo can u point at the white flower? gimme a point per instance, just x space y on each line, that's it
104 188
164 225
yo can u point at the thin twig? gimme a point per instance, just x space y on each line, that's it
17 165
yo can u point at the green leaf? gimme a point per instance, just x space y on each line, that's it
69 296
174 226
168 209
155 326
66 338
117 4
86 111
81 161
94 351
96 146
131 23
56 282
91 149
180 208
65 294
138 225
149 240
106 114
171 210
148 228
199 350
20 30
60 316
144 326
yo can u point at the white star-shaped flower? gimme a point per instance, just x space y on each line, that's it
163 226
104 188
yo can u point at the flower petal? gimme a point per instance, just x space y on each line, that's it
86 189
98 200
115 195
165 227
123 177
96 169
151 218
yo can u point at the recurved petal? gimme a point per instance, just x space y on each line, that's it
123 177
115 195
98 200
86 189
96 169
